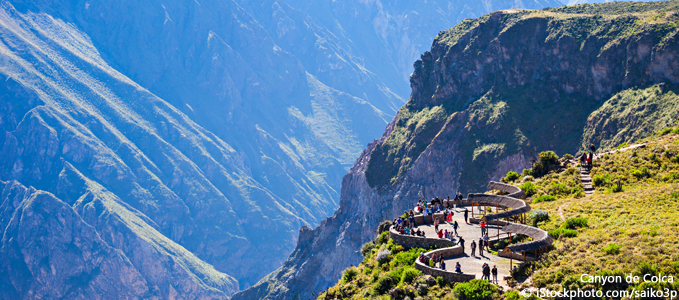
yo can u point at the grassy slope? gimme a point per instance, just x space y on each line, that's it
642 219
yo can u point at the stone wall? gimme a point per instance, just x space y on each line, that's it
411 241
446 275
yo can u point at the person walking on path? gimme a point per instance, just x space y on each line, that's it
473 246
466 215
593 148
462 243
494 272
583 159
455 226
436 223
485 242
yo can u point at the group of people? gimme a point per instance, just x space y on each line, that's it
436 259
408 231
487 271
586 158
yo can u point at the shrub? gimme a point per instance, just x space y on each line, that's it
511 176
568 233
367 249
539 216
578 191
440 282
406 258
515 295
529 188
382 285
612 248
641 173
383 238
528 172
568 156
558 189
476 289
573 223
547 161
383 255
665 131
601 179
623 145
544 198
409 274
349 275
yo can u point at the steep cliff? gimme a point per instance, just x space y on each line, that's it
491 92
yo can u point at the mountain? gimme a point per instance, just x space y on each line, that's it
217 127
491 93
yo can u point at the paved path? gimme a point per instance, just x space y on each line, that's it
471 264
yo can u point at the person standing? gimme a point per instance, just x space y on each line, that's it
436 223
593 148
473 246
424 215
486 243
480 246
494 272
486 272
455 226
483 227
466 215
462 243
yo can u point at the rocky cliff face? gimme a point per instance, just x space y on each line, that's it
491 92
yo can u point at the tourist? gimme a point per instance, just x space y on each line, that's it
440 233
446 234
583 159
494 272
442 264
424 215
483 227
461 242
466 215
486 242
412 220
481 246
407 229
458 267
590 158
473 246
486 272
455 226
436 223
593 148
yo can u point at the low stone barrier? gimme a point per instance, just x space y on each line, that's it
412 241
517 256
446 275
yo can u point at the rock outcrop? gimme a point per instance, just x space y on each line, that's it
491 92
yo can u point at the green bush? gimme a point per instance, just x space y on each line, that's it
406 258
601 179
547 161
383 238
558 189
539 216
578 191
568 156
529 188
573 223
544 198
349 275
528 172
382 285
367 249
641 173
665 131
476 289
612 248
409 274
511 176
623 145
568 233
